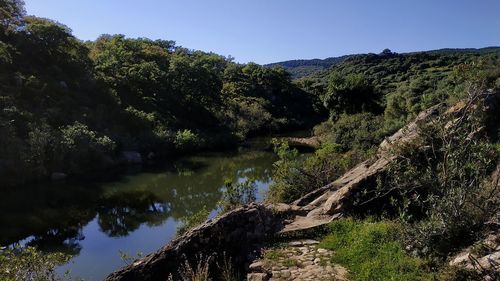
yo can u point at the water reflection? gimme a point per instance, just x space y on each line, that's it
73 217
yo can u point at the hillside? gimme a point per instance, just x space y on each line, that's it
303 68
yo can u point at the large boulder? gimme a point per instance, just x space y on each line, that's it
238 234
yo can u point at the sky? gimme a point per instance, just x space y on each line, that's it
265 31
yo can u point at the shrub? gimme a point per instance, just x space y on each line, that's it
295 175
439 183
237 194
358 131
186 140
84 150
29 264
192 221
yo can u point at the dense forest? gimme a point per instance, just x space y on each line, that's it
71 107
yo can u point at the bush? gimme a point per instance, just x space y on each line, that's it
358 131
371 251
84 150
186 140
439 183
295 175
237 194
29 264
192 221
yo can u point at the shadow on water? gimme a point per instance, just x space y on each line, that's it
62 216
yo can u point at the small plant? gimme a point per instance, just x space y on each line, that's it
128 259
227 270
199 273
186 140
190 222
237 194
274 255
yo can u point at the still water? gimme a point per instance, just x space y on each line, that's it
137 213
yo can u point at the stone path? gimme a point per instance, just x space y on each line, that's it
299 260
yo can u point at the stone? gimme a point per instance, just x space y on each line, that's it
295 244
257 277
322 251
131 157
256 267
286 273
57 176
310 242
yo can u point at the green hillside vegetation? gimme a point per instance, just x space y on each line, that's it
436 195
71 106
303 68
371 96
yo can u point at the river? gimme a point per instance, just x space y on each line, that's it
136 213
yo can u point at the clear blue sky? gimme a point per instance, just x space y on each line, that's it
265 31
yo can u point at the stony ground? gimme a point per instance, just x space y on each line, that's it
298 260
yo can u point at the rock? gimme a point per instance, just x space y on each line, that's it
485 263
322 251
257 277
212 237
295 244
310 242
256 267
285 273
312 142
131 157
151 155
58 176
63 85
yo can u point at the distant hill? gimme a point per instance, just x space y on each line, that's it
302 68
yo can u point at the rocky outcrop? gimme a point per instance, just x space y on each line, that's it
328 203
237 234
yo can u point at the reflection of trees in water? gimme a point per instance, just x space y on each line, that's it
53 216
125 212
59 240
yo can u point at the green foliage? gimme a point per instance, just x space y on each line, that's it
237 194
192 221
371 251
128 94
295 175
83 149
30 264
349 93
447 186
186 140
361 131
129 259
